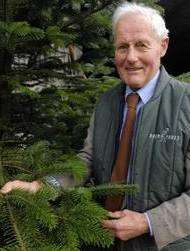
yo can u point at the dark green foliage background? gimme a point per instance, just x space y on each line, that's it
58 115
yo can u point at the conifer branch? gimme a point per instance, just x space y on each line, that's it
62 218
86 14
18 235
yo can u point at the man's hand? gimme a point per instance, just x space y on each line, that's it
127 224
18 184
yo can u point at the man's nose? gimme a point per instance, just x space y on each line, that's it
131 56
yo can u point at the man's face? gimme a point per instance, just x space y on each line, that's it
138 51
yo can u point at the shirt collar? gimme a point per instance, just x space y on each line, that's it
147 91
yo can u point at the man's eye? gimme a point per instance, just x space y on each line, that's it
141 45
122 48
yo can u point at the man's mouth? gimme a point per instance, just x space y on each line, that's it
133 69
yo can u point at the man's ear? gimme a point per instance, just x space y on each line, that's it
164 46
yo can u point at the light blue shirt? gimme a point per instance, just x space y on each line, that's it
145 93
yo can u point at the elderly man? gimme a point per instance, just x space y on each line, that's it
139 134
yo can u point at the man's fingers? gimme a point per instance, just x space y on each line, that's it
17 184
114 222
35 186
6 188
108 224
117 214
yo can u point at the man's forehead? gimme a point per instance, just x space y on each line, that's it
133 27
128 36
132 41
134 33
126 31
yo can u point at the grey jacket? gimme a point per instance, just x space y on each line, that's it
160 165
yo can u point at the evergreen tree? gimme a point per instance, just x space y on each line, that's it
51 219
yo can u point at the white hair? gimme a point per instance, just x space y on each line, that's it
151 15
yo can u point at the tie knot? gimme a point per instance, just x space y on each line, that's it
132 100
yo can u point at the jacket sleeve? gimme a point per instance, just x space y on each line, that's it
86 152
171 219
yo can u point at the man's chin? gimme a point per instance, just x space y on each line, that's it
134 85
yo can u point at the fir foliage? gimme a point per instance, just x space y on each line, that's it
184 77
52 218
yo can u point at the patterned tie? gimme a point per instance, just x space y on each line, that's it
119 172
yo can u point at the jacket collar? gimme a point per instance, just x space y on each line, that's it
163 80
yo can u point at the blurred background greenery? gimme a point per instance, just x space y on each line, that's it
56 58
